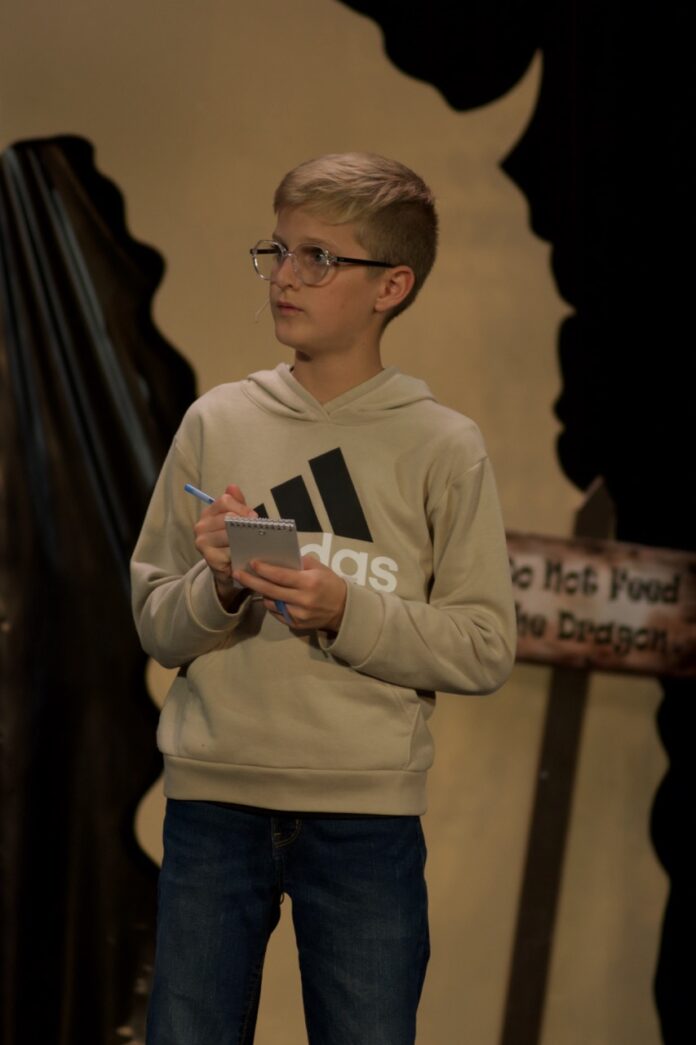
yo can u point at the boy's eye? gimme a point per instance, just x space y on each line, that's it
311 255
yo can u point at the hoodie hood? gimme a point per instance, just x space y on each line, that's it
278 392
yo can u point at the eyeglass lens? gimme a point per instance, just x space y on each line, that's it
309 262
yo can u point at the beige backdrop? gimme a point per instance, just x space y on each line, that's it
196 110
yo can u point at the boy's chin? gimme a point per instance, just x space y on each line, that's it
285 338
291 340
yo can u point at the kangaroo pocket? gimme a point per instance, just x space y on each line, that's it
349 722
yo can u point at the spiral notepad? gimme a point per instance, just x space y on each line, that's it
270 540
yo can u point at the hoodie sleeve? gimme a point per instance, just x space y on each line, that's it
462 640
177 613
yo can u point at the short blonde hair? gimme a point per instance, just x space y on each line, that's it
391 207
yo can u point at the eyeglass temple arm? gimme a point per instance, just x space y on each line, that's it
363 261
333 257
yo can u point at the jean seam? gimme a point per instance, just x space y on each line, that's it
287 841
256 982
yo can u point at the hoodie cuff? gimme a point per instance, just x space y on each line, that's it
360 628
206 608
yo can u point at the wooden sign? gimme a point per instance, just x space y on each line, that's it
604 605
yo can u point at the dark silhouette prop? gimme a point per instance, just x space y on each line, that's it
92 394
607 166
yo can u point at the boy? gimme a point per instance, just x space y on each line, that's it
296 748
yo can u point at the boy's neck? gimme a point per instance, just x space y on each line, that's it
328 378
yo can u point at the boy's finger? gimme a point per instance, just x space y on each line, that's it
277 574
234 491
234 507
310 562
233 501
264 586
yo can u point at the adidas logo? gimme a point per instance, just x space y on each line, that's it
337 492
345 514
376 570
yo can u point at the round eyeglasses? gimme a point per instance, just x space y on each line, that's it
310 263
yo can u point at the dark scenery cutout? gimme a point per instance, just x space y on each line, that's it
607 167
91 397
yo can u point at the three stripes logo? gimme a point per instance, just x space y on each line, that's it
337 492
347 519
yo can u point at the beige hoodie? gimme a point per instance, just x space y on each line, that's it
394 492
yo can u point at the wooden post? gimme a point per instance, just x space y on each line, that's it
524 1007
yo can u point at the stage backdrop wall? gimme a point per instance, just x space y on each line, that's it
195 111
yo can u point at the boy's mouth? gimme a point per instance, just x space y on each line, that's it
285 306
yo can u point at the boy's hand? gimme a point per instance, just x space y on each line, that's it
211 540
315 596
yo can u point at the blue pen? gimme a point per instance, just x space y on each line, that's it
207 499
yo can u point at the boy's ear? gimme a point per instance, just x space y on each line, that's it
395 285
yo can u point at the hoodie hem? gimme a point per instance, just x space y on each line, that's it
389 792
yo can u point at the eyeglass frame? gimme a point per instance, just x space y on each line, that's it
331 260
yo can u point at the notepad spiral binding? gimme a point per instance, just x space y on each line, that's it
264 524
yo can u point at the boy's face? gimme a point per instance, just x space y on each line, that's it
337 316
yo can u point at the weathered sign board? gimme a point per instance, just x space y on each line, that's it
604 605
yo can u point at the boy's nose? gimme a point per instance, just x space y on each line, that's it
285 274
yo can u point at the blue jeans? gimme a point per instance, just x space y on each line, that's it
359 908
